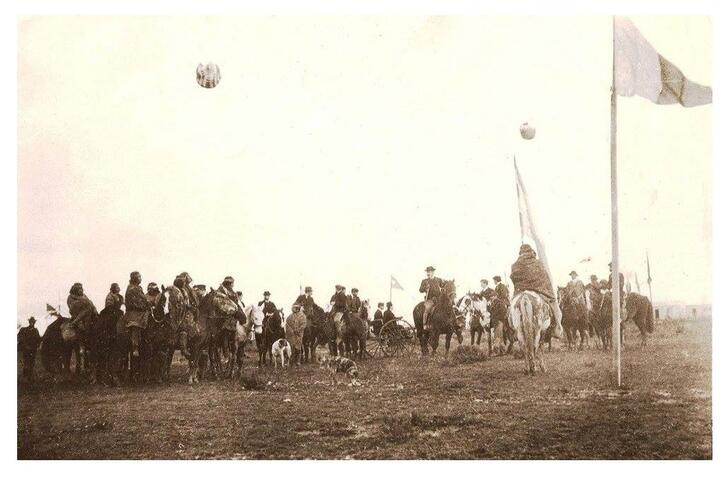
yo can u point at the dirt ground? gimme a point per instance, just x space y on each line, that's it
406 408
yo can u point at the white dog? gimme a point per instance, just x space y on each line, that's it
280 349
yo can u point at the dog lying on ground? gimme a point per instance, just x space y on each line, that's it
280 349
341 365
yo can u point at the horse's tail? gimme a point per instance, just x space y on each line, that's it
527 324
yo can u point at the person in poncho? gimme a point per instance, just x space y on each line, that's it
294 330
114 299
529 274
178 310
138 311
82 310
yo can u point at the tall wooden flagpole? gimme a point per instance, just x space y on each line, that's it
614 214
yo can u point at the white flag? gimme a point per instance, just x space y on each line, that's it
640 70
527 226
395 284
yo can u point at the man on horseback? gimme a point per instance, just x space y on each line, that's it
306 301
268 307
82 310
528 273
621 281
339 302
138 309
227 304
114 299
178 306
354 302
575 289
501 290
432 288
192 311
156 301
486 292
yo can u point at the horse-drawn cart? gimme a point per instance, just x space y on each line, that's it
395 338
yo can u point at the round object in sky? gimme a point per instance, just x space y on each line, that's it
527 131
207 76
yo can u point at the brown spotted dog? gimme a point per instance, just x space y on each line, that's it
341 365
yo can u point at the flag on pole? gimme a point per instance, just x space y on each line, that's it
527 225
640 70
395 284
586 260
637 283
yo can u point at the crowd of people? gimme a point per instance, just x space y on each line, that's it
527 274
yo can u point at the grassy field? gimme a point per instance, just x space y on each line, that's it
406 408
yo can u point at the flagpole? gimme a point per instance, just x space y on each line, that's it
614 221
390 288
517 190
649 279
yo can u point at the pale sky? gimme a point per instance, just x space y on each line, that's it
347 149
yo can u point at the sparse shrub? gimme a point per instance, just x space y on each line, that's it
467 354
397 427
252 381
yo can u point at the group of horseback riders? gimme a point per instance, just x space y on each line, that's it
183 301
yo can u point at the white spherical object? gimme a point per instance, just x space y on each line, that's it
207 76
527 131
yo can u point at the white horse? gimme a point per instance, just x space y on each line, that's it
530 318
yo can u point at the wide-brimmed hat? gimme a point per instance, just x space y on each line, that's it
573 273
266 293
339 287
430 269
354 290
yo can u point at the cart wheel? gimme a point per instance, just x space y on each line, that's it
397 338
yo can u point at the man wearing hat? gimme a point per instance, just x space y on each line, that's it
28 339
269 307
294 332
377 322
114 299
432 288
529 274
501 290
354 301
306 301
339 302
576 288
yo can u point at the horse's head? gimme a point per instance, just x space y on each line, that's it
448 289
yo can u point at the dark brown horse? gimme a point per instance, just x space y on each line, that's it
201 332
314 333
272 331
600 315
574 318
638 309
354 335
442 320
56 352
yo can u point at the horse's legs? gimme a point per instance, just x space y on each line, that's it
540 358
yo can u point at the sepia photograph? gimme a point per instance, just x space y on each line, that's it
364 237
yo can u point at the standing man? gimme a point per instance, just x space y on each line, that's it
501 290
114 299
28 339
377 322
432 288
269 307
294 331
354 302
594 284
138 309
528 273
227 310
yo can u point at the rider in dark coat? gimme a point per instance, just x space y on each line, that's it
339 302
354 302
306 301
432 288
269 307
486 292
502 290
528 273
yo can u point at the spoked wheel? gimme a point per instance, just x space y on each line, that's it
373 347
397 338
